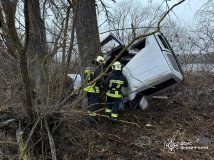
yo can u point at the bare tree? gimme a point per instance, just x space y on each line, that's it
126 18
204 32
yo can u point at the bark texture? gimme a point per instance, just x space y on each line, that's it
36 48
87 30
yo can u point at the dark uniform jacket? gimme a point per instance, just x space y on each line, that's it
114 83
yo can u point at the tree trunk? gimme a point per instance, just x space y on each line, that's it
37 43
8 26
87 30
15 46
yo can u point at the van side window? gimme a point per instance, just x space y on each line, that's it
163 42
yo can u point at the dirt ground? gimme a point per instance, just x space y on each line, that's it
169 129
179 128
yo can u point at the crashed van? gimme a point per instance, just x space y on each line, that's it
150 66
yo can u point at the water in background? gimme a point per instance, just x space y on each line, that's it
198 67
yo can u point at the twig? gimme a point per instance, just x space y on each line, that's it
102 115
120 140
8 142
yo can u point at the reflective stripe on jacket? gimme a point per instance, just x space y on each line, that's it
115 87
92 89
89 75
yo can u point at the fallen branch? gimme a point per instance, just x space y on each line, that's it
7 122
51 141
30 135
22 153
102 115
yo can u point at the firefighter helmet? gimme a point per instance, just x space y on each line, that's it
117 66
100 59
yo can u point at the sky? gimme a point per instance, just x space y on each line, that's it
187 9
184 12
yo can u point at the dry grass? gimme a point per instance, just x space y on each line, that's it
186 116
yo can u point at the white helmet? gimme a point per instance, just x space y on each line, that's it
117 66
100 59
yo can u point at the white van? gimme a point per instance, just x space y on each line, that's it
150 65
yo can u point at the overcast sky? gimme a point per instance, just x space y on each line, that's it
184 12
187 9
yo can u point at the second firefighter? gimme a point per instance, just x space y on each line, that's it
114 83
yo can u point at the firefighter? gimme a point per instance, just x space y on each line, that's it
93 90
114 82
